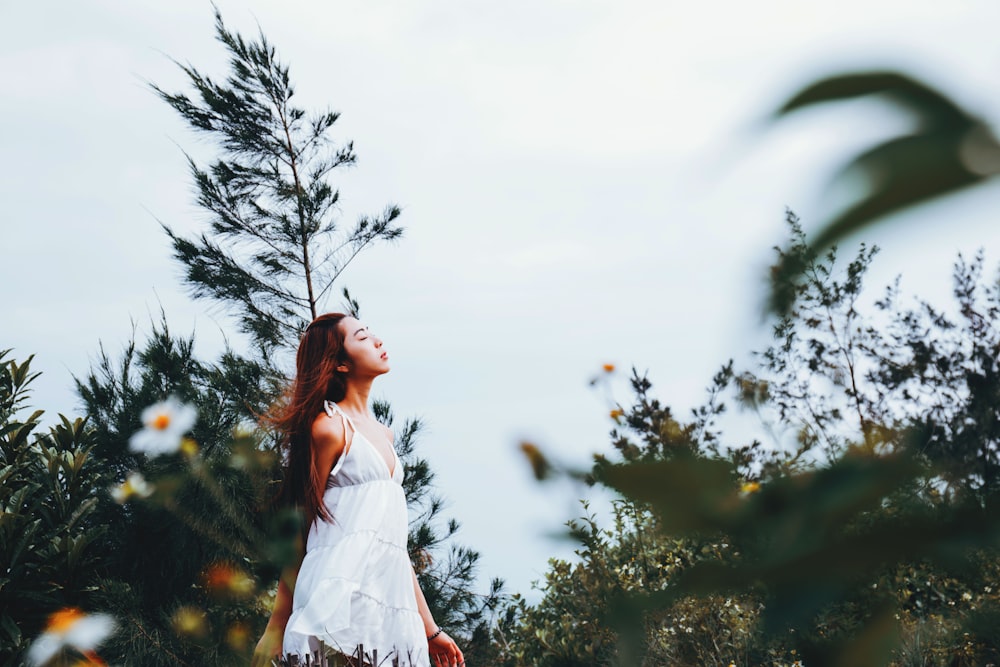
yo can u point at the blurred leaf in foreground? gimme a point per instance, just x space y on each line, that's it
949 150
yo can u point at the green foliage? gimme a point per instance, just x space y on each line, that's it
946 370
48 525
571 624
231 392
866 534
949 150
567 627
275 246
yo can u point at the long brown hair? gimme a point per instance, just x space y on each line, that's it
317 379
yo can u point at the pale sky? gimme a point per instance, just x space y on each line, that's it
582 182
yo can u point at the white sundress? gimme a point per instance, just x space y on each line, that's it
354 591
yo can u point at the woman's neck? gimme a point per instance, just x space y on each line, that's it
356 397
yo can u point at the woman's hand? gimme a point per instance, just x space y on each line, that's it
445 652
268 648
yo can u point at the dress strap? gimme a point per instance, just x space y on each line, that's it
332 409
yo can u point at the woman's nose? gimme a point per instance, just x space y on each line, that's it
378 342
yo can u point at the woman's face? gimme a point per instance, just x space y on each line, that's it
364 349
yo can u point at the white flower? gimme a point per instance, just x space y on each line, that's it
135 485
70 627
164 427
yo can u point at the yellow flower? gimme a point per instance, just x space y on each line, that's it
750 487
134 486
164 425
539 464
188 447
70 627
617 414
190 621
608 368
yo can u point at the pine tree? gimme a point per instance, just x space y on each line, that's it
276 244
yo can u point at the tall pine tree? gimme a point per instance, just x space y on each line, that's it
275 244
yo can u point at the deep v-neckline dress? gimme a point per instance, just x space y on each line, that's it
354 590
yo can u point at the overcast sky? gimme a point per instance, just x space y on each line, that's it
582 182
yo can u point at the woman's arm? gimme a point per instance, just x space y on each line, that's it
328 441
443 649
269 646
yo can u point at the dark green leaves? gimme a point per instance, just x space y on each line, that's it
48 522
688 493
949 150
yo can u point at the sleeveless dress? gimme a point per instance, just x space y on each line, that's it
354 591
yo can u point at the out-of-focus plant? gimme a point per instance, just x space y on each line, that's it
949 149
70 638
863 490
868 526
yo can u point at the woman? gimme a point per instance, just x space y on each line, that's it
355 590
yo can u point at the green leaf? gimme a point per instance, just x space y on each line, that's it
950 150
932 106
687 493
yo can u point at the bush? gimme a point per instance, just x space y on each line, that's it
49 483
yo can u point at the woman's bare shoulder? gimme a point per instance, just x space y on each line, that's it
328 433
